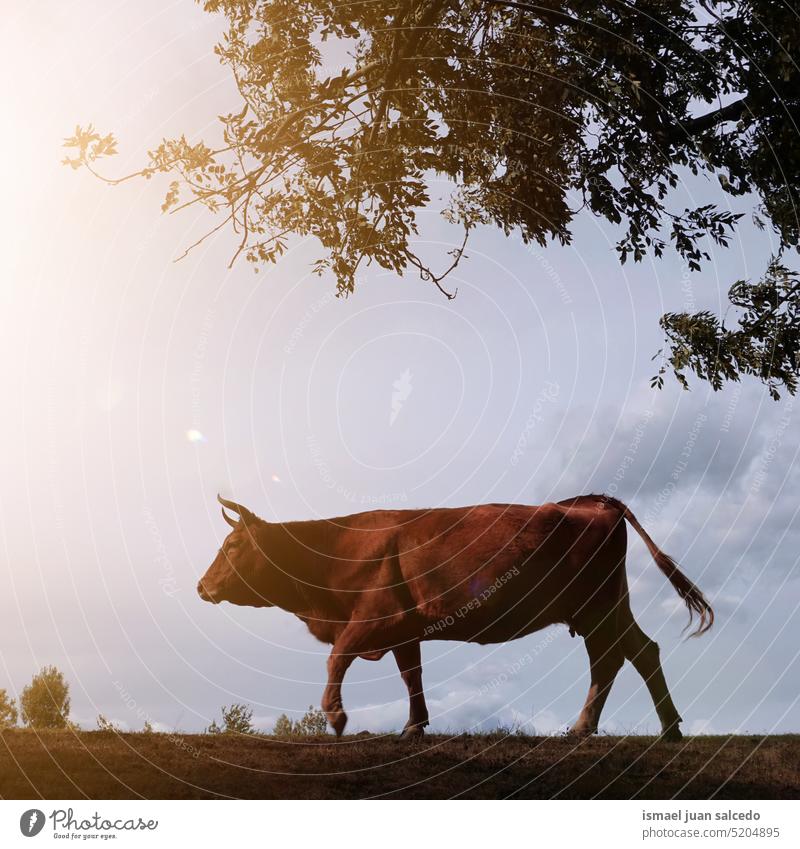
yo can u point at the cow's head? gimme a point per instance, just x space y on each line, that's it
238 571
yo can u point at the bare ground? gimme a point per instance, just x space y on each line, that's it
106 765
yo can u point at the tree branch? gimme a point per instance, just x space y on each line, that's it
551 16
732 112
426 274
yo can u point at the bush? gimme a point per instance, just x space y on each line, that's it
313 724
104 724
236 719
44 703
8 711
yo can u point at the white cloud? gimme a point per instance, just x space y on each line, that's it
701 726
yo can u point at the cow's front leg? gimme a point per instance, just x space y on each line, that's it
338 663
409 661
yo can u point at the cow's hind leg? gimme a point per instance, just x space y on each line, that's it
606 657
644 655
409 662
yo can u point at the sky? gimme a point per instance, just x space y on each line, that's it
138 387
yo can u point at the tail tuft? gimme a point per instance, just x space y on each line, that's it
691 594
693 598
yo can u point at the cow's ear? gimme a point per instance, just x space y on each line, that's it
232 522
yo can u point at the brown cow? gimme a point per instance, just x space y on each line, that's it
385 580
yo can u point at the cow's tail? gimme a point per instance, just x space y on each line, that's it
693 598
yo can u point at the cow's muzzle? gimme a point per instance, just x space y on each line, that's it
204 594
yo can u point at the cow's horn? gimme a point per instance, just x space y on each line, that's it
232 522
232 505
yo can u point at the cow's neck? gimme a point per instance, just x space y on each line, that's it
294 568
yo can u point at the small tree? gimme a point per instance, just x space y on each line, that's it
8 711
312 724
284 727
236 719
44 703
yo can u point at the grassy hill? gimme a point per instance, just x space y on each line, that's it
63 764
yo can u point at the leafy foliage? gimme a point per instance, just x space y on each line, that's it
236 719
45 703
8 711
533 111
312 724
765 343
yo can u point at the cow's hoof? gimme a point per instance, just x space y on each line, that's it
672 734
578 732
338 720
412 733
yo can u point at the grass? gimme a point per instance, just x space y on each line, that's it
109 765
